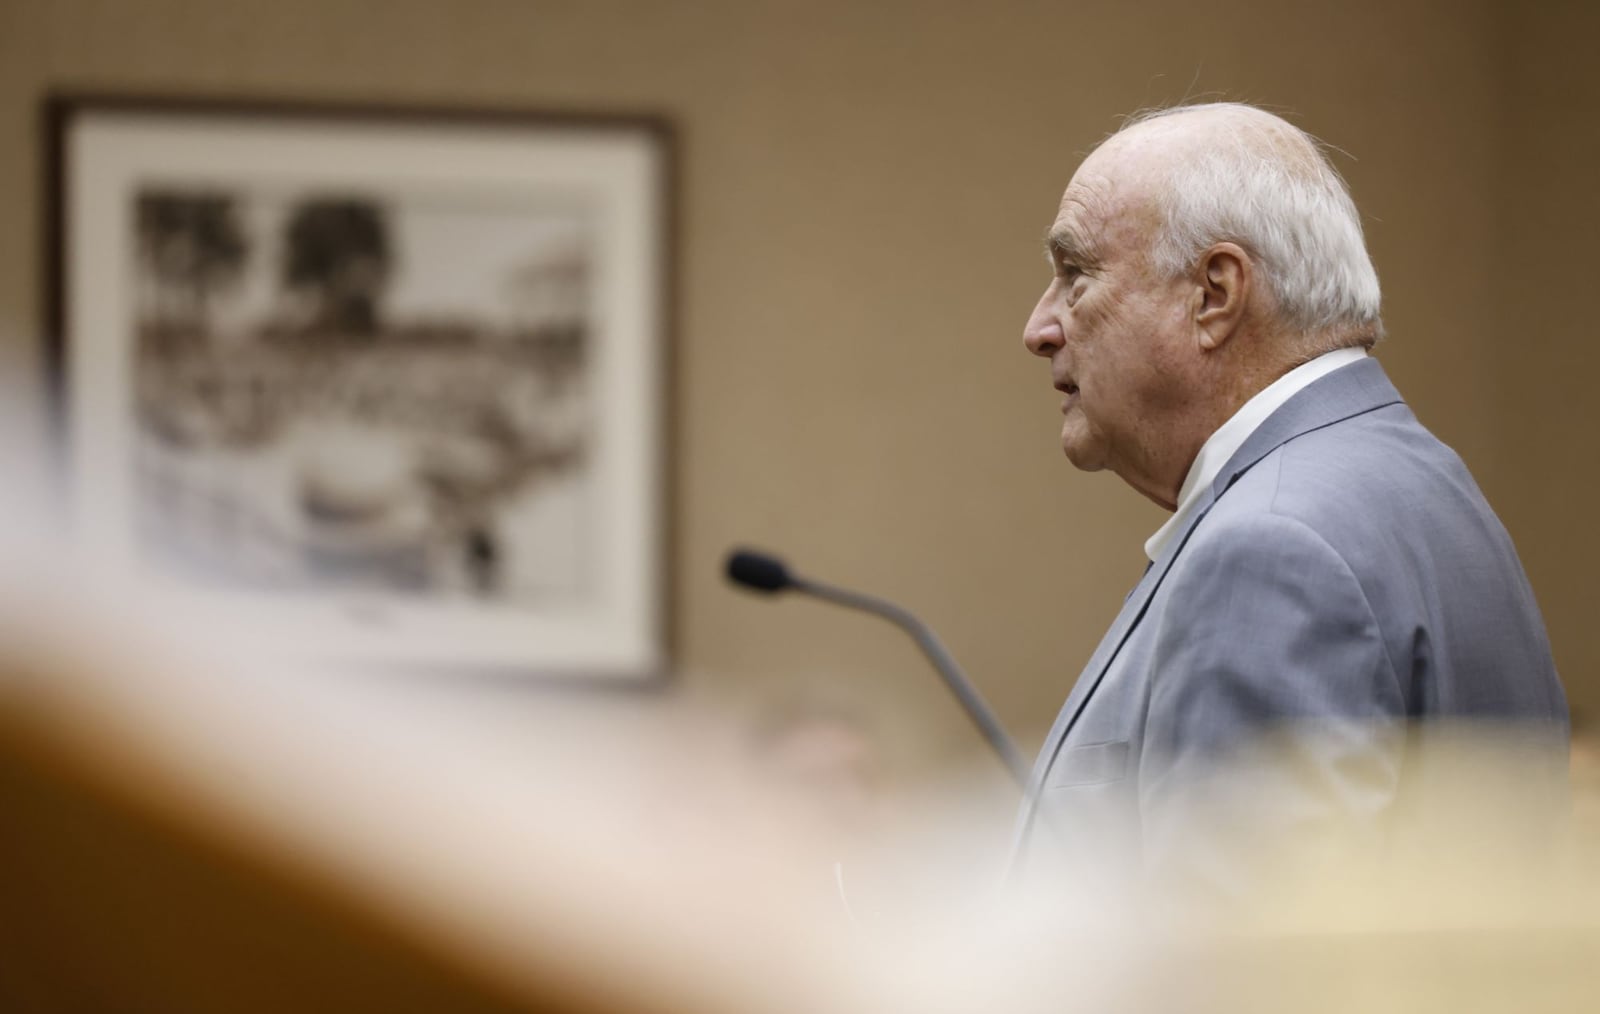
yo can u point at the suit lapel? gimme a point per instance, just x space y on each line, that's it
1133 610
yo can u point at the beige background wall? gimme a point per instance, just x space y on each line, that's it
1547 414
864 188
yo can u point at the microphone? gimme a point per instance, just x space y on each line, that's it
761 572
758 572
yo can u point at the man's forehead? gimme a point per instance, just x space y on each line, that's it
1087 211
1107 202
1083 200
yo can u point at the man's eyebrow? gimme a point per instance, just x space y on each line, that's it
1062 242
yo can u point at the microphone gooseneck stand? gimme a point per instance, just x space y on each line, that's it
767 574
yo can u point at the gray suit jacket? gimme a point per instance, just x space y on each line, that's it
1343 575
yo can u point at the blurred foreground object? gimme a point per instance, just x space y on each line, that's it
184 836
186 839
186 831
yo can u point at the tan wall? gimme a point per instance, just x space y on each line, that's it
1549 352
864 188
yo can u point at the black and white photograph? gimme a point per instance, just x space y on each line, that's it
335 390
370 381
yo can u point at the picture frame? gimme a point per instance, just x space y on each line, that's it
374 386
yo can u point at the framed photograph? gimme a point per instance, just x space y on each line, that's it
385 387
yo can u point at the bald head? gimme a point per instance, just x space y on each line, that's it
1226 172
1198 255
1192 129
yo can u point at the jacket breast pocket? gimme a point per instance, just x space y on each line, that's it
1091 764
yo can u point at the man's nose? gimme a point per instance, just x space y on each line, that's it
1042 336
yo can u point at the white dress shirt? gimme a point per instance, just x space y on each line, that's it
1231 435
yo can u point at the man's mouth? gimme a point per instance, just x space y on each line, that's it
1067 387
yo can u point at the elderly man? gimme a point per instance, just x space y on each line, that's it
1331 577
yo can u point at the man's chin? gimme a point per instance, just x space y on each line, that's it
1083 458
1084 453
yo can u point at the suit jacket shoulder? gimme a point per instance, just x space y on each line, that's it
1399 510
1344 575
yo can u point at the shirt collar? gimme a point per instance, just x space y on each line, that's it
1231 435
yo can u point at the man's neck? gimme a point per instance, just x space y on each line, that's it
1231 386
1162 478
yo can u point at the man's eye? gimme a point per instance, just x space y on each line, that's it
1073 278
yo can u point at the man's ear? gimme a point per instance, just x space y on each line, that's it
1227 276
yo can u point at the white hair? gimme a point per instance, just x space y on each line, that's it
1268 186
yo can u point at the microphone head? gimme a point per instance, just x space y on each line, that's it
758 571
